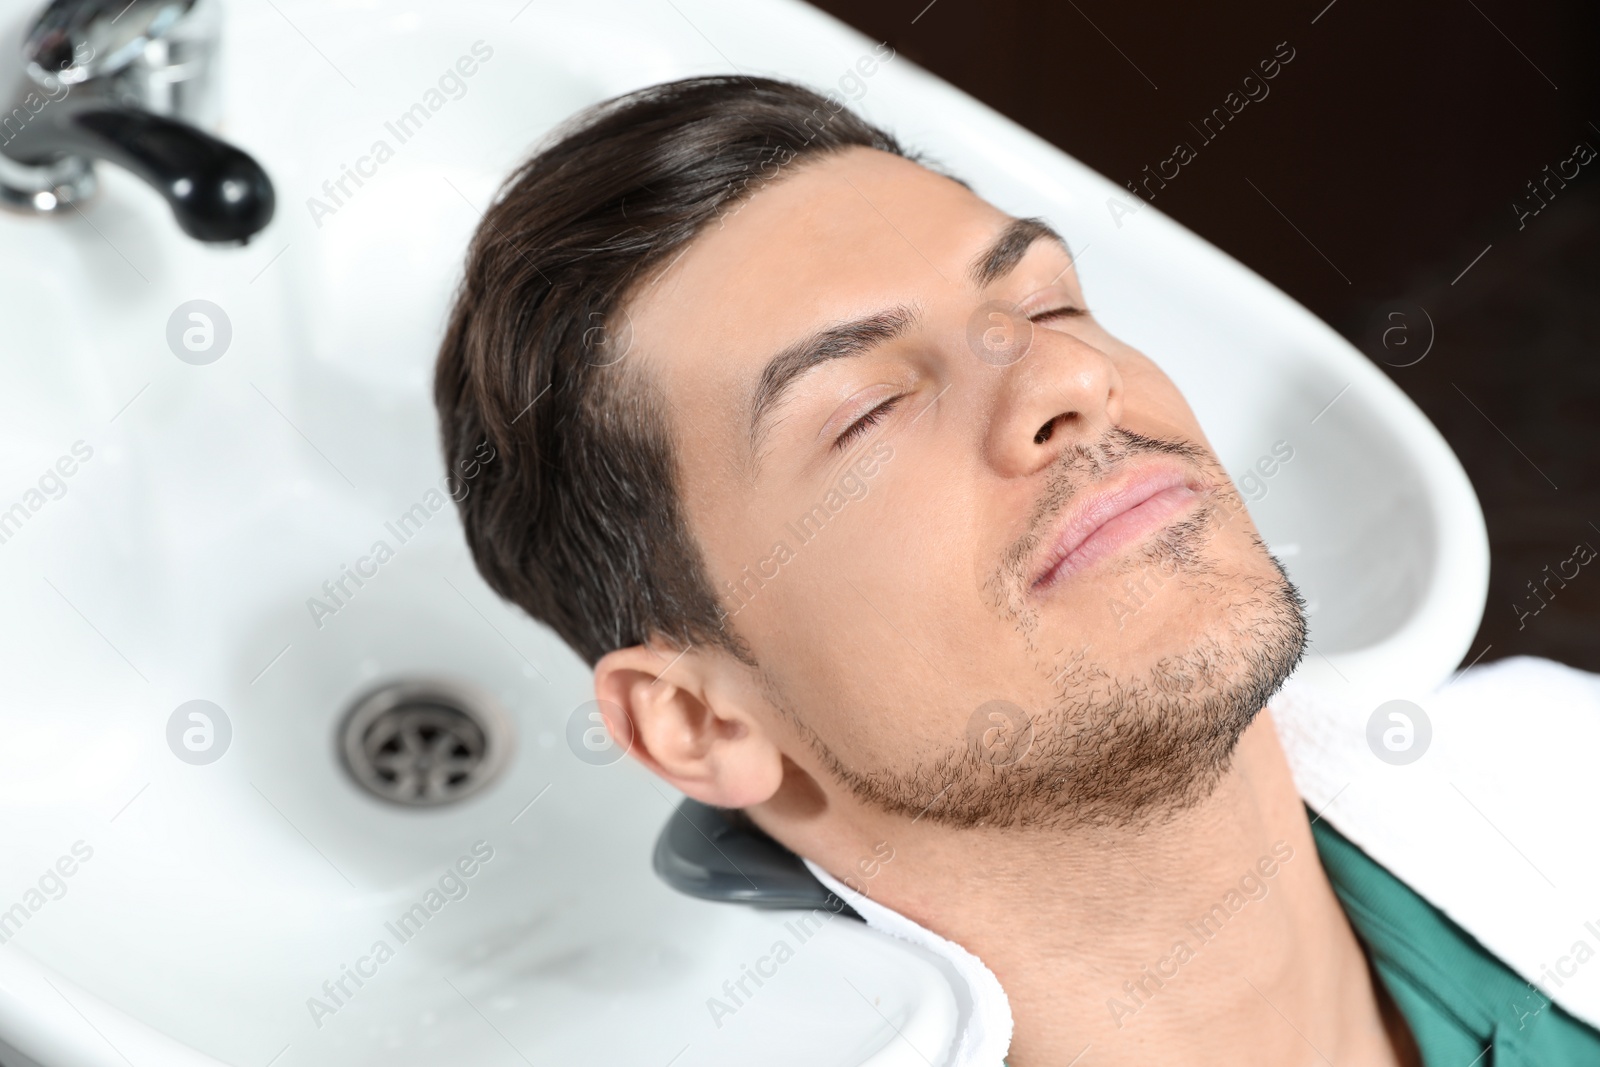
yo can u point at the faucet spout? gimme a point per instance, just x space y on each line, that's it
126 82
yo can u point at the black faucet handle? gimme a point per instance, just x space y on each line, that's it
217 192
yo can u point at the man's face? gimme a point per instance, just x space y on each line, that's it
884 513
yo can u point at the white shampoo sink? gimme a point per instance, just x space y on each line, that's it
159 910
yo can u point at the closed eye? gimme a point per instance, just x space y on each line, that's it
1057 313
866 422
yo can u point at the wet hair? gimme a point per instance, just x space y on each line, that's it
572 507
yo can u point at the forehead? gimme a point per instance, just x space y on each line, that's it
839 237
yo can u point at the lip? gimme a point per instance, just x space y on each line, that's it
1127 508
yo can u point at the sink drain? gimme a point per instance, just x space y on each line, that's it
424 742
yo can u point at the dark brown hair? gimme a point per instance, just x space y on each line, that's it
577 517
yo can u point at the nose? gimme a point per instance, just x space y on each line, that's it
1063 392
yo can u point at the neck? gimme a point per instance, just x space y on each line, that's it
1213 937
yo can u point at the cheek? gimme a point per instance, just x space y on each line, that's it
875 587
1151 401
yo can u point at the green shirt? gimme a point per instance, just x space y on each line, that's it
1458 998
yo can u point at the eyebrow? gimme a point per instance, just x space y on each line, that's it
843 341
861 335
1001 257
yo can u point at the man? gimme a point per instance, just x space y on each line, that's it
827 468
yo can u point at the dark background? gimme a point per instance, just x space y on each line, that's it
1397 141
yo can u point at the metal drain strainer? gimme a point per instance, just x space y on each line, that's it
424 742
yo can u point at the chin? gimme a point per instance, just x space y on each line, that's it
1135 742
1138 695
1141 723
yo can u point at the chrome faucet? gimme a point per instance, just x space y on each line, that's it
128 83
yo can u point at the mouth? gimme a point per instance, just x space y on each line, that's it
1115 516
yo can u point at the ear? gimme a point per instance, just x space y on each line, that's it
692 719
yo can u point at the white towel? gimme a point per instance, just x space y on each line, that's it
984 1026
1494 825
